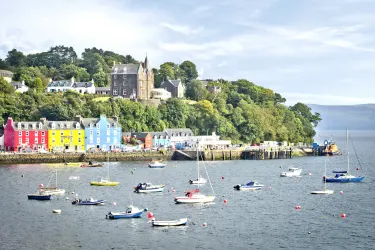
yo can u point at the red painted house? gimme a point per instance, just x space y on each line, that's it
25 136
144 137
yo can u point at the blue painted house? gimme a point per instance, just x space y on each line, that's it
160 139
101 133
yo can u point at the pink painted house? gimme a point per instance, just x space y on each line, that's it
25 136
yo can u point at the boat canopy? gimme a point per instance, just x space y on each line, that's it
339 171
251 183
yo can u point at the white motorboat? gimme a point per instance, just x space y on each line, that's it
198 181
148 188
156 164
252 185
292 172
168 223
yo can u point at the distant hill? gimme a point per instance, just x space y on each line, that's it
338 117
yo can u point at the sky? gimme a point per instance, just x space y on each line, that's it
311 51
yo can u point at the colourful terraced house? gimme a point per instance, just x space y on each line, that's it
101 133
68 136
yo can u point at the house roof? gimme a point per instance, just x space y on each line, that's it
126 133
83 84
63 125
125 69
175 83
18 84
178 132
103 88
158 133
28 125
140 134
86 121
10 73
62 83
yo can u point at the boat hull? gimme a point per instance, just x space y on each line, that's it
323 192
152 190
88 203
156 166
123 215
181 222
96 183
186 200
344 180
243 188
39 197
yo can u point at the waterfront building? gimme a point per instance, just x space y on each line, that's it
133 81
160 139
20 86
179 137
6 74
175 87
65 85
68 136
142 137
101 133
25 136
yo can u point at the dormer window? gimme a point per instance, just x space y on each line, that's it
91 125
67 125
114 125
77 125
40 125
19 125
53 125
33 125
155 137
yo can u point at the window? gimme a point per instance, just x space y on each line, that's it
62 140
155 137
62 133
20 133
40 125
91 125
79 140
36 133
27 133
108 133
79 132
42 133
19 125
53 140
115 92
91 140
124 92
53 125
71 132
115 132
108 140
98 126
114 76
124 83
114 125
33 125
98 133
53 133
36 140
98 140
42 140
114 83
91 133
27 140
108 126
20 141
68 125
77 125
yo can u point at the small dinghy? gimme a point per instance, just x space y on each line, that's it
169 223
56 211
73 177
292 172
91 201
131 212
156 164
92 164
198 181
148 188
252 185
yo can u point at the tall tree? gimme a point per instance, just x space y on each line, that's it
15 58
190 71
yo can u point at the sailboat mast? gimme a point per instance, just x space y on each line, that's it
325 174
198 162
347 147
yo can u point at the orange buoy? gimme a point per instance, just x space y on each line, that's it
225 201
343 215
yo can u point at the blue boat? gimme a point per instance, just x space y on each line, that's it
42 196
131 212
91 201
252 185
344 176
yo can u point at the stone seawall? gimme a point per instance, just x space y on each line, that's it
81 157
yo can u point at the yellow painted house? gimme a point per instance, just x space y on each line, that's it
66 136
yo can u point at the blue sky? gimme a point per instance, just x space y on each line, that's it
313 51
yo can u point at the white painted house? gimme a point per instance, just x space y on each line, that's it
20 86
65 85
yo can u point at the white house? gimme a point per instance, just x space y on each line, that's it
1 139
161 94
65 85
20 86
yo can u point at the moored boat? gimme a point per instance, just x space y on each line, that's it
41 195
292 172
194 196
156 164
168 223
91 201
198 181
104 182
325 191
131 212
252 185
92 164
148 188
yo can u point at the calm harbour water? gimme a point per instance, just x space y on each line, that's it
265 219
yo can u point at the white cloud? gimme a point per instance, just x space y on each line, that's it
203 10
182 29
223 63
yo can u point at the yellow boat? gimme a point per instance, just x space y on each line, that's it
104 182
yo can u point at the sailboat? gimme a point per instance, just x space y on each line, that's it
52 190
102 181
325 191
344 176
195 196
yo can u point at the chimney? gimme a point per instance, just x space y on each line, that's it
43 120
78 118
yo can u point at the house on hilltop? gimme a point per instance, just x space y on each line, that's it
65 85
133 81
176 87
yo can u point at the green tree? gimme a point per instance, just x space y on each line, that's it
15 58
190 71
37 84
68 71
5 87
196 91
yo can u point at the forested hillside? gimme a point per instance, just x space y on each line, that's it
242 111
